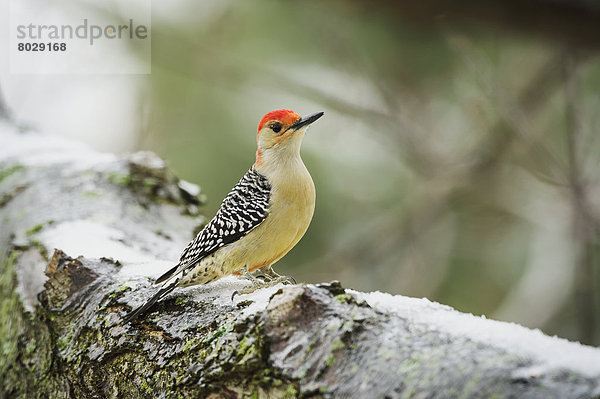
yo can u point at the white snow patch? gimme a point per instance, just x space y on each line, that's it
152 269
552 352
91 240
220 291
191 188
30 278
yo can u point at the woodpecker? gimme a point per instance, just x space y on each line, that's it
261 219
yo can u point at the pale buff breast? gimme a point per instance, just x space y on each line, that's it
290 213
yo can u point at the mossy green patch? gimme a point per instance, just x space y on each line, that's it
91 194
24 348
180 300
343 298
10 328
4 173
31 346
290 392
119 291
191 344
119 178
35 229
244 344
150 182
145 387
330 361
62 343
337 344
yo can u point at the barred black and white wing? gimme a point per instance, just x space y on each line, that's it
242 210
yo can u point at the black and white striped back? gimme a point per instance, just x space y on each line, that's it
242 210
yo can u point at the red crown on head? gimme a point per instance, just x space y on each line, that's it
285 116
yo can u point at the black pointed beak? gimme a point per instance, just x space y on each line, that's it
306 120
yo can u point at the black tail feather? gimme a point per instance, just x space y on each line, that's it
167 275
167 288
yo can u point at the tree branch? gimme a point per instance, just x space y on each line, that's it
85 233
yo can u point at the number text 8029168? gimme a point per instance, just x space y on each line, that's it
49 46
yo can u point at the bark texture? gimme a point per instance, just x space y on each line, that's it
84 233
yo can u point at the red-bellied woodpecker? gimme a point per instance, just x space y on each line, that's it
260 220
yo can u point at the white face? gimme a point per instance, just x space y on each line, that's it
280 137
277 136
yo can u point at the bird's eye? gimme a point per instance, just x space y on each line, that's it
276 127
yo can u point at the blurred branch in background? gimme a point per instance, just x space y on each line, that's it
387 237
575 21
586 224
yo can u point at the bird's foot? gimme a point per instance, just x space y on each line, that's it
265 278
268 274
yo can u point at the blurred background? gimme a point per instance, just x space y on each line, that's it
459 155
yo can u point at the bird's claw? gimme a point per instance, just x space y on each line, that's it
268 278
290 279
